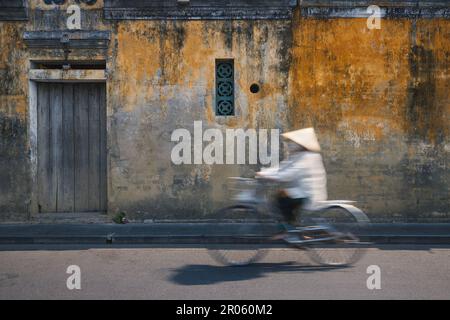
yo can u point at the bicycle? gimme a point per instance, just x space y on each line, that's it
323 234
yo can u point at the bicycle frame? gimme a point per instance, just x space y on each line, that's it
257 196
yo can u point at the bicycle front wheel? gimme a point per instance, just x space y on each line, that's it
334 246
244 244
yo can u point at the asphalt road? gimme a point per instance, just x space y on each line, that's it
407 272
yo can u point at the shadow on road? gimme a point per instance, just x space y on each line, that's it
190 275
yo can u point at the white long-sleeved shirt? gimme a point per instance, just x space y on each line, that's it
303 176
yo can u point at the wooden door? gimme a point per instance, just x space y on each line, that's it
71 147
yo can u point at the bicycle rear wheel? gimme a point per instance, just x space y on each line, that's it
245 243
335 246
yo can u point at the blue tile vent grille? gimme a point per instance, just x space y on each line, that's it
225 87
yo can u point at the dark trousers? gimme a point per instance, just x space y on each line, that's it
288 207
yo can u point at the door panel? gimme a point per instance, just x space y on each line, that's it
81 126
66 203
71 147
45 163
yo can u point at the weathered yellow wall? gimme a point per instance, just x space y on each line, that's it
14 165
15 57
164 79
12 92
378 99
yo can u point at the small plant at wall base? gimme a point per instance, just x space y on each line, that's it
120 218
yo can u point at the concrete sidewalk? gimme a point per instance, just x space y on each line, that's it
200 233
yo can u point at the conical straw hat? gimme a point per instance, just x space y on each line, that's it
304 137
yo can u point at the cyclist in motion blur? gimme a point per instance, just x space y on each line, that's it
301 183
302 176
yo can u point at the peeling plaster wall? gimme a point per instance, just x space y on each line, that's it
378 99
164 79
15 150
14 164
380 102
